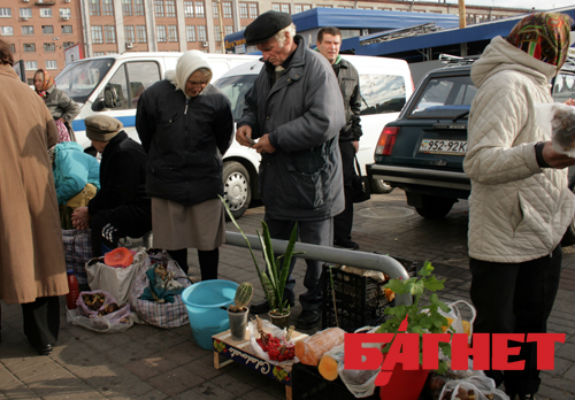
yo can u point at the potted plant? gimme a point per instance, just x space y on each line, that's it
273 277
421 318
238 312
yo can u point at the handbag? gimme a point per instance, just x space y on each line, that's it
360 185
569 236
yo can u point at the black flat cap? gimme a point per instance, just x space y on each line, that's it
265 26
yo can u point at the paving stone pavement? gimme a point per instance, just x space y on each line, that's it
148 363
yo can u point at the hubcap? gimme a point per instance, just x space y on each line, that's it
236 190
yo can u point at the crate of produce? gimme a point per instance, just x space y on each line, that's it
358 295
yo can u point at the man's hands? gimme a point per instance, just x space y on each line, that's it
554 159
244 137
81 218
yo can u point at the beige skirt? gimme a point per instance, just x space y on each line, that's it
175 226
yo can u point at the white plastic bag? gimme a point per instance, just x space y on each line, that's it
99 320
270 328
557 121
114 280
459 310
479 386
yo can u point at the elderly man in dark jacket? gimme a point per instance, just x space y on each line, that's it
121 208
296 110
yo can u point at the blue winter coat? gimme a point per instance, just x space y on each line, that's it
73 169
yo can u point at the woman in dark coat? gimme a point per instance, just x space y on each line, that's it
185 125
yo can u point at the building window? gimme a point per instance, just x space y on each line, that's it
110 33
276 7
68 44
139 7
49 47
243 10
285 8
27 30
5 12
202 35
215 9
129 33
228 30
227 9
30 65
94 7
200 13
51 64
25 13
141 34
172 33
65 13
159 8
170 8
46 12
217 33
107 7
29 47
254 10
7 31
97 37
99 53
161 33
127 7
67 29
188 9
47 29
190 33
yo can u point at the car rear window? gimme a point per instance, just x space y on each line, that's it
381 93
444 97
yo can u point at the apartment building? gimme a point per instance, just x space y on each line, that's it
40 31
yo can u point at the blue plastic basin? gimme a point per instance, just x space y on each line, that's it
206 303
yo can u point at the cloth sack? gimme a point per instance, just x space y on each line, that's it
162 313
360 185
114 280
78 250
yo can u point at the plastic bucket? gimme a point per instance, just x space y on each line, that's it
206 303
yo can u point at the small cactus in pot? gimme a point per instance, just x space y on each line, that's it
243 297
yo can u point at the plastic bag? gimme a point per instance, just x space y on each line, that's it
456 317
361 383
474 387
270 328
96 317
558 123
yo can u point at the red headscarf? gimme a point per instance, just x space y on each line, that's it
48 82
544 36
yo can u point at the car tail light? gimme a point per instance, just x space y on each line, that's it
386 141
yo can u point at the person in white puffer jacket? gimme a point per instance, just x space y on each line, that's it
520 205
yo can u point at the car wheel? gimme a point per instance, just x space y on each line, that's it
434 207
379 186
237 189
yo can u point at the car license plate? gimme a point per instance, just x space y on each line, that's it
443 146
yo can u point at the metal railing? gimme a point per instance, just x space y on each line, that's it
359 259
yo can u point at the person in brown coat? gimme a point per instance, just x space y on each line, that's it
32 266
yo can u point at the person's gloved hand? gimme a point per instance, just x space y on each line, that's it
110 233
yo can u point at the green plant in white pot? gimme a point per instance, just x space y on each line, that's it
238 312
273 277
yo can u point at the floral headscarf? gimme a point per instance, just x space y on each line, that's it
544 36
48 82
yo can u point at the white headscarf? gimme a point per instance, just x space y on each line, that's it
187 64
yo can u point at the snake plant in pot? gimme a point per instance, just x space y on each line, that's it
273 277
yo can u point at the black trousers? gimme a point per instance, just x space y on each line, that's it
42 321
343 222
516 298
208 261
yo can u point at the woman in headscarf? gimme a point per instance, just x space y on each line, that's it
520 205
61 106
32 267
185 125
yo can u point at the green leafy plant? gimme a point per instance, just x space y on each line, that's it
421 318
273 277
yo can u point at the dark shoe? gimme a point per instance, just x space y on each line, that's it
348 244
260 308
44 350
308 319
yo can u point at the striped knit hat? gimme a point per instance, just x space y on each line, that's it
544 36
